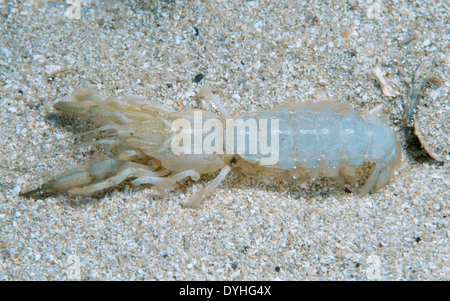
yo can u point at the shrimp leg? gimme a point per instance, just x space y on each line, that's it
378 176
168 182
198 196
103 174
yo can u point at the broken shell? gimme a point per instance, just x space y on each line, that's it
431 124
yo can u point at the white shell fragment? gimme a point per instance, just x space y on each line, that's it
386 88
431 124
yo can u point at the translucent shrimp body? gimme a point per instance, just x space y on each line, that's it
312 139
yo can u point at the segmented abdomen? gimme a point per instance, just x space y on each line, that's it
310 138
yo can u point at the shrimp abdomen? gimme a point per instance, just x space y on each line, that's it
317 140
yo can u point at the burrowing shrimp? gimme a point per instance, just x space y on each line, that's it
311 139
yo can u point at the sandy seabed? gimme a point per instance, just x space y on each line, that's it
255 55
